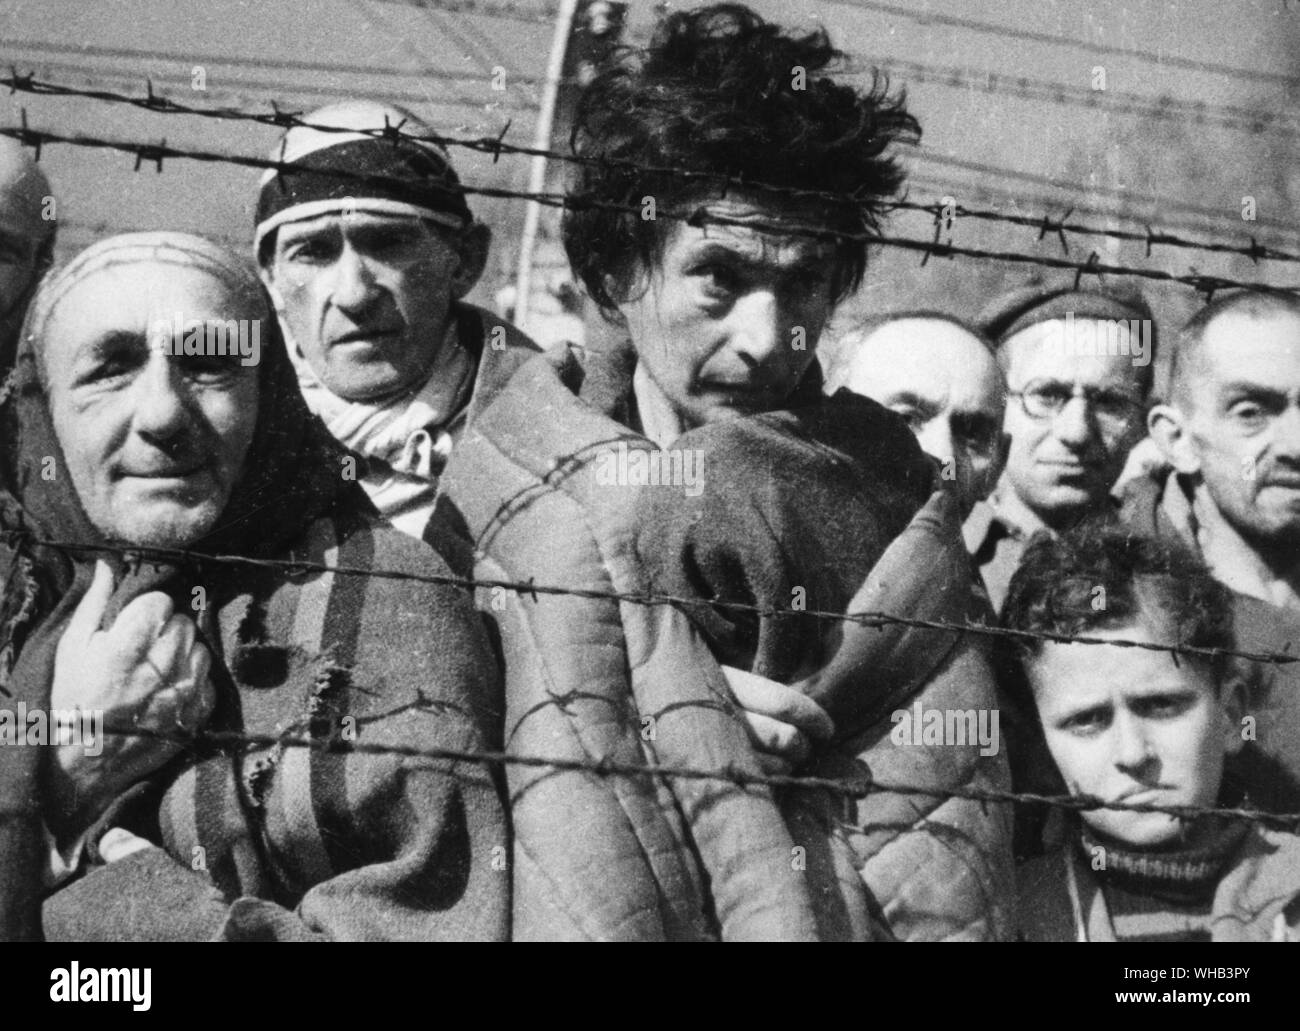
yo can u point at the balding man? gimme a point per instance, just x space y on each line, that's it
26 239
368 251
941 376
1231 432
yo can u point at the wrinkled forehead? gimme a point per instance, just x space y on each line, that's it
1077 352
924 356
133 281
755 229
1240 346
348 221
132 294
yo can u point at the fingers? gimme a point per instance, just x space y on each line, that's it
180 663
142 621
171 650
90 610
764 697
200 699
117 843
782 740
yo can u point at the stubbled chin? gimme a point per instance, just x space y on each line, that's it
158 523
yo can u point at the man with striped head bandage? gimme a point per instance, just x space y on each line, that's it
368 247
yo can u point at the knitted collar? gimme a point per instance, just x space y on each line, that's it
1182 871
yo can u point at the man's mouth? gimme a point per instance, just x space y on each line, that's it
357 336
745 392
1147 795
176 471
1067 466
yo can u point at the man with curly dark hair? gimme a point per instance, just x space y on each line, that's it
1136 726
724 195
722 99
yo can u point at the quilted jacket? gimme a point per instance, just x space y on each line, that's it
832 507
606 852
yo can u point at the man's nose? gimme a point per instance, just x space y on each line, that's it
1073 424
1131 743
355 285
935 438
756 327
1285 441
161 401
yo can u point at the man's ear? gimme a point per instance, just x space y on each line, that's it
472 249
1168 428
1234 697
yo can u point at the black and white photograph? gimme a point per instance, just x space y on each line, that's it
565 470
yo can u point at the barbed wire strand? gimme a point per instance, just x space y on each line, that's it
156 153
240 89
849 787
496 146
1016 204
141 554
1122 195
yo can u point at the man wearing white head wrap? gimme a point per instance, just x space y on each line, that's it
26 238
368 248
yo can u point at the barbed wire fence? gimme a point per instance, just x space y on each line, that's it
943 211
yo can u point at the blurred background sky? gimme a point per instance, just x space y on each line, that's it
1197 111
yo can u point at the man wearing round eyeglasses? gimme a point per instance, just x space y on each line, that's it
1078 371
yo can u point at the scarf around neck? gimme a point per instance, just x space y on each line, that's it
408 432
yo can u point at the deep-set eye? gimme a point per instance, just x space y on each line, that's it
109 368
914 418
312 251
209 366
717 279
117 356
1114 404
1087 723
1050 397
978 434
395 243
1157 707
1249 415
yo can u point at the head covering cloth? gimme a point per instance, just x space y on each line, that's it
291 475
360 156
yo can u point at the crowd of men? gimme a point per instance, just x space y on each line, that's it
1035 484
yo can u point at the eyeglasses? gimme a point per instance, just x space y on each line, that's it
1046 398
